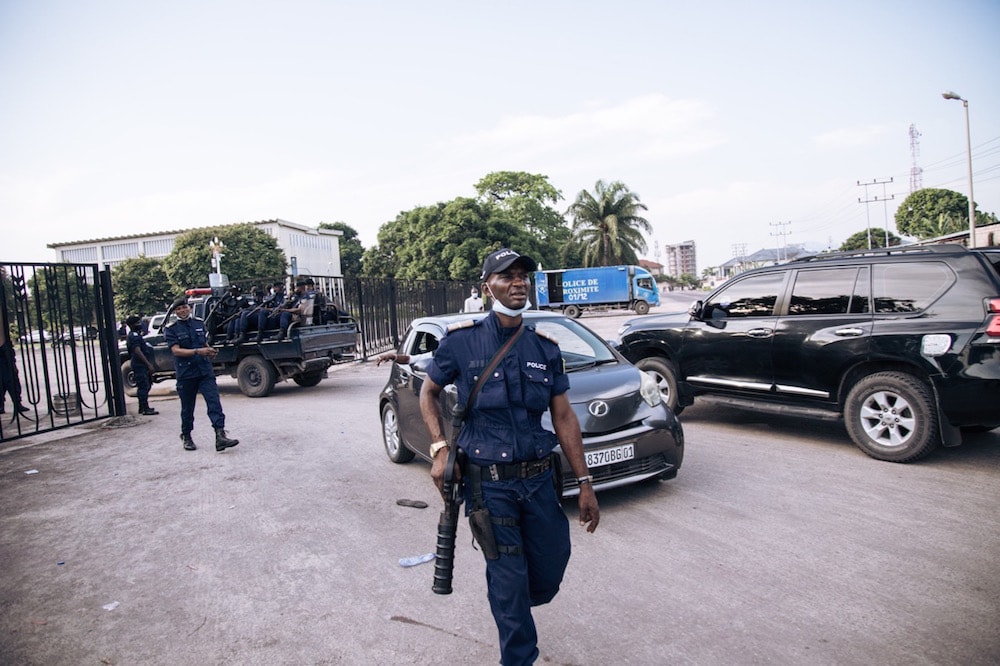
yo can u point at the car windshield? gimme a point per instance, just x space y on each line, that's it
579 346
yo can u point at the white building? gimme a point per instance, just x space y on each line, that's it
681 258
309 251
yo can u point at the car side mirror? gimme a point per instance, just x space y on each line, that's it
695 310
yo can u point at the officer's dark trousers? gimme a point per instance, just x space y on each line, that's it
188 390
266 321
529 576
142 382
9 381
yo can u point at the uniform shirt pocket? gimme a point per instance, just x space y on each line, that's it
493 394
537 389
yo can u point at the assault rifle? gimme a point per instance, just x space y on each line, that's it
444 562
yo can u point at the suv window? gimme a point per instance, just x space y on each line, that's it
830 291
910 287
751 297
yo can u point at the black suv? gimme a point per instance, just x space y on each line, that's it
903 343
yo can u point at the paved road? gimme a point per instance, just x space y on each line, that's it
779 542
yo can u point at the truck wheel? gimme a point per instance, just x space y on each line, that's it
308 379
256 376
128 380
572 311
891 416
641 307
665 375
394 447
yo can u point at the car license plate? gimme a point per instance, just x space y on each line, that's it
610 456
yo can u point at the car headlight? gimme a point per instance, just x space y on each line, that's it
648 389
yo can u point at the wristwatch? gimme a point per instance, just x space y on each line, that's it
437 446
585 479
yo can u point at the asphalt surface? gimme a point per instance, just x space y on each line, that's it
778 543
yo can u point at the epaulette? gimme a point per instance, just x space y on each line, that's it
545 336
465 323
172 323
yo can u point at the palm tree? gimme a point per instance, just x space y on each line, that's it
606 225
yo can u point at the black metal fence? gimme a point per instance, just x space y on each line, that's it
59 352
384 307
58 348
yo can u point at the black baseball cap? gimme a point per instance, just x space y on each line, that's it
504 258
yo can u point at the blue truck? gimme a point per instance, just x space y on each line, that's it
574 290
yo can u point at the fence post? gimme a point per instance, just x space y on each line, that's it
107 312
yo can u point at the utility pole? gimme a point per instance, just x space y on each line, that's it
885 204
740 252
781 243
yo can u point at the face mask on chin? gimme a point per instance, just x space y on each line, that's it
503 309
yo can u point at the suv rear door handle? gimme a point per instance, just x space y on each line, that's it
849 332
760 333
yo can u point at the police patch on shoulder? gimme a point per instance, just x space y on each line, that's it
465 323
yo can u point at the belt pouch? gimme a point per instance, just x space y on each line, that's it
557 477
480 521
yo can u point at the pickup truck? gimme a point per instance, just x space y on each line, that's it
303 357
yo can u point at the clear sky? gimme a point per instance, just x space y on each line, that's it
724 117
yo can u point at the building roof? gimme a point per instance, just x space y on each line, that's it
279 222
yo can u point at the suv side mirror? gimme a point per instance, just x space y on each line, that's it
695 310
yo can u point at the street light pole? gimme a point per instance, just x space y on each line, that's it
968 147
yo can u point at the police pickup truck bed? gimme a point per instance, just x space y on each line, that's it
303 357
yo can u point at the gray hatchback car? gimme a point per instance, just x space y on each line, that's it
629 434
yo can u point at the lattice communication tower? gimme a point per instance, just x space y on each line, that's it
916 173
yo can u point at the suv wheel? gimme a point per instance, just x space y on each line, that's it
891 416
663 372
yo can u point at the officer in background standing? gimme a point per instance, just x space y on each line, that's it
473 303
187 339
141 357
509 466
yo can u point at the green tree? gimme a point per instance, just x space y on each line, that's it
607 226
351 250
920 214
249 253
527 200
141 287
859 240
446 241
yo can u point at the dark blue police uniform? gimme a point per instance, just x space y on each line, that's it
504 427
136 344
286 317
266 318
194 374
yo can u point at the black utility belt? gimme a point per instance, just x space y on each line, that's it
521 470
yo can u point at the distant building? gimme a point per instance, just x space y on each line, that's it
309 251
771 256
655 269
681 259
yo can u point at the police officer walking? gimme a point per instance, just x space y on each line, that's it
141 359
509 463
187 339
